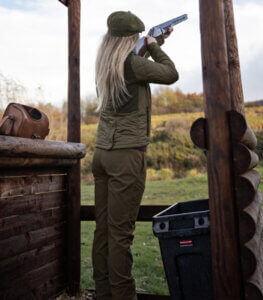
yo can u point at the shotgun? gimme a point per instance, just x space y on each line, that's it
156 31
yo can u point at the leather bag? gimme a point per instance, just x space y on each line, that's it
24 121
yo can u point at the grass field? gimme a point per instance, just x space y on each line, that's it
148 269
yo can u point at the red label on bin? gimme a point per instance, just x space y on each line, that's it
186 243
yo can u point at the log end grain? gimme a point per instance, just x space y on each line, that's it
244 158
198 133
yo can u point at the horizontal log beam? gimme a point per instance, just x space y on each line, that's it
254 290
254 285
21 147
16 225
198 133
32 280
241 132
48 289
249 219
250 253
21 162
244 159
25 242
246 188
29 172
29 185
146 212
17 266
31 204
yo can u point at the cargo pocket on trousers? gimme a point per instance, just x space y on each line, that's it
138 190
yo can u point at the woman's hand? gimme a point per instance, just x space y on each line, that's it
170 29
150 39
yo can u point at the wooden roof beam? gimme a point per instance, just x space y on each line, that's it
65 2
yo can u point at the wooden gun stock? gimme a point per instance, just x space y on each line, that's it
142 46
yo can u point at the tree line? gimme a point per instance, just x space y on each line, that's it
171 152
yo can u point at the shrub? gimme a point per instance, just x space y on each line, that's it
151 174
193 173
165 174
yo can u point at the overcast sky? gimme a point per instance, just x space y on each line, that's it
33 47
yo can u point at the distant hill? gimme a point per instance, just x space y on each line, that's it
254 103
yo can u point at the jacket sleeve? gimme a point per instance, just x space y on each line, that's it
161 70
160 42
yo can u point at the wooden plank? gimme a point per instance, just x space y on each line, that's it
33 279
146 212
236 91
241 132
223 216
34 239
22 172
30 185
17 225
21 162
17 266
14 146
49 290
31 203
244 159
73 186
246 188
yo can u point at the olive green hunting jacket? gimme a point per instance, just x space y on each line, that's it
129 125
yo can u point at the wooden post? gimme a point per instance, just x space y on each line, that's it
73 187
224 233
250 216
236 91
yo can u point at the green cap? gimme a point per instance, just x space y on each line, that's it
123 23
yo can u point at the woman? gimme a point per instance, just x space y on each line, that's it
119 163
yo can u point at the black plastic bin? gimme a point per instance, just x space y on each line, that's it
183 231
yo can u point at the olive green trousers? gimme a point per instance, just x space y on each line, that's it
119 185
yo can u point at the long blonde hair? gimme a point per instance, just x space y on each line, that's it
109 74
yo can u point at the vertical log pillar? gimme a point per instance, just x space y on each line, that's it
248 199
236 91
224 233
73 255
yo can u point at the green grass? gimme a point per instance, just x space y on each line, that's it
147 269
163 191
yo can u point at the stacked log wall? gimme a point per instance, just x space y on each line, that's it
249 201
33 233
